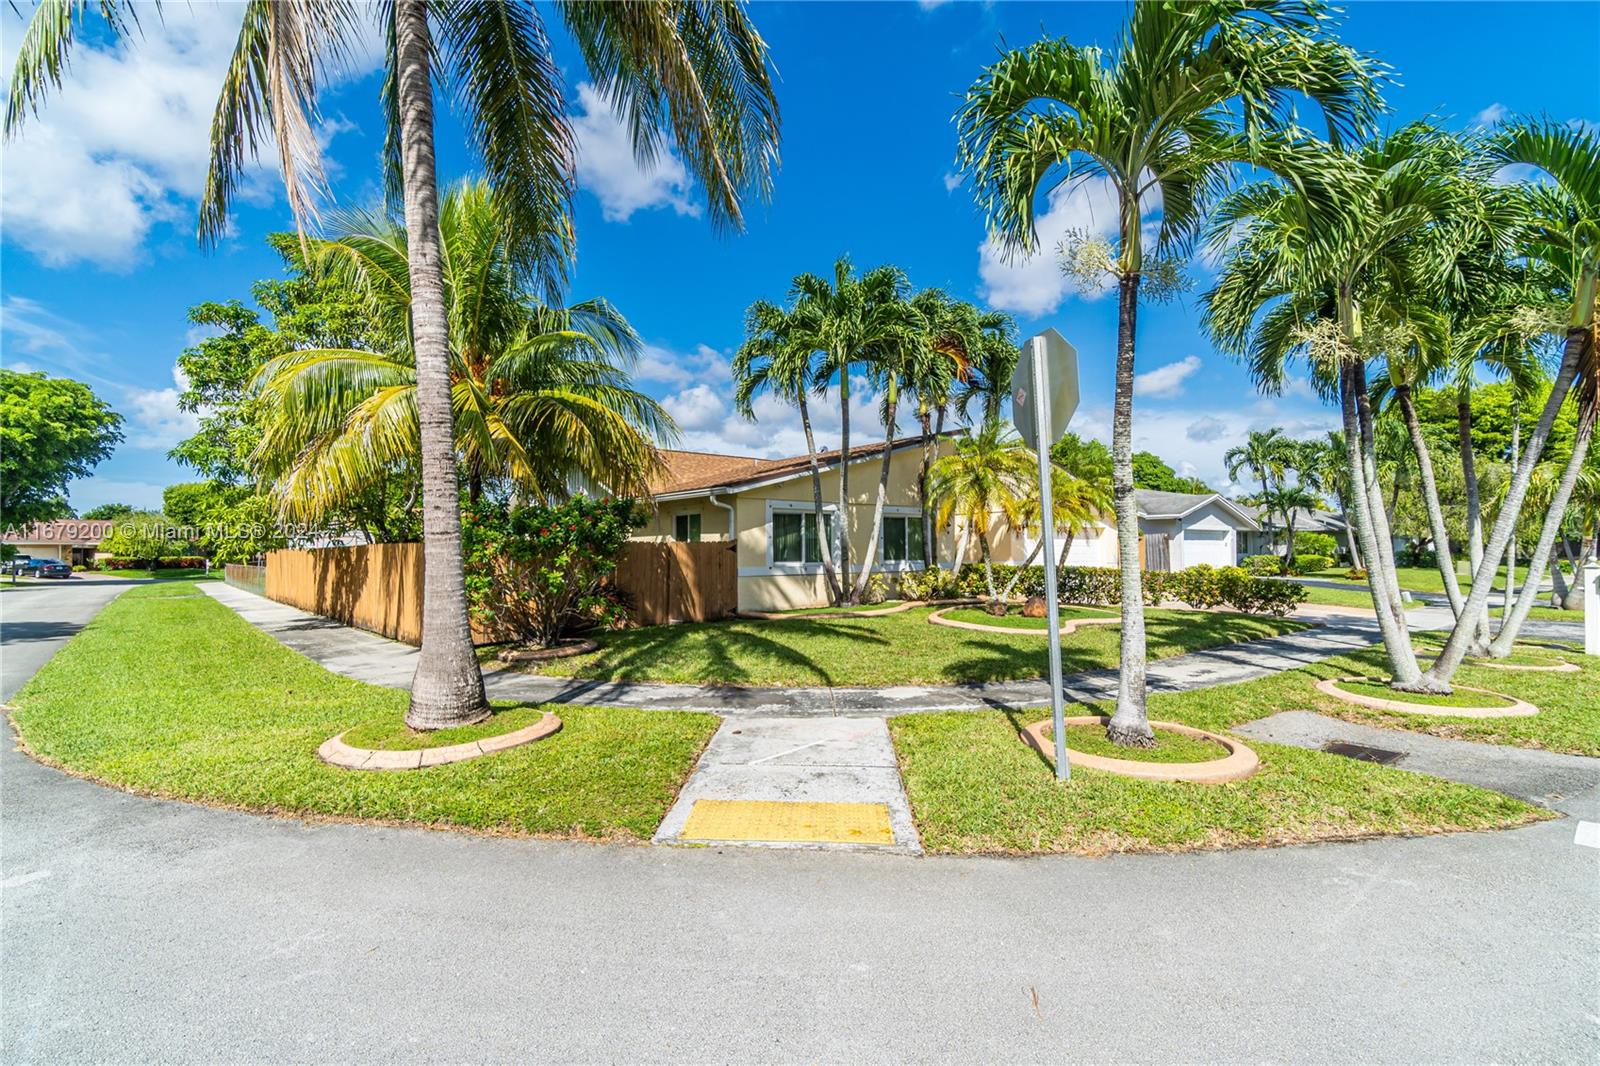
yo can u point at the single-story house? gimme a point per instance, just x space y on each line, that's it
1270 538
1176 530
72 540
766 507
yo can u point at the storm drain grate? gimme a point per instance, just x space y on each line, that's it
1381 756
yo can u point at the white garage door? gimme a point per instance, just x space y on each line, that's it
1213 546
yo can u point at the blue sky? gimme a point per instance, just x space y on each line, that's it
98 264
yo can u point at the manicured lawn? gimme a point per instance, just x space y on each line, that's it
1422 578
1015 619
163 574
852 609
392 734
171 693
1377 687
975 787
1169 746
890 650
1350 597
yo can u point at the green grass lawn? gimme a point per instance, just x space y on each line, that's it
168 692
890 650
1377 687
1420 578
855 608
1350 597
1014 618
975 787
162 574
1169 746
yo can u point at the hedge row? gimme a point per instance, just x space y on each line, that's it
1198 586
178 562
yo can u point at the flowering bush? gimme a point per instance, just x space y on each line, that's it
540 572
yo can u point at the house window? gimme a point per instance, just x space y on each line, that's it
686 527
902 538
794 536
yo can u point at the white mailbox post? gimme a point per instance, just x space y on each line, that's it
1591 609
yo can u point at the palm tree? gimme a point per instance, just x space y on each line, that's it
774 359
951 334
1308 256
1286 500
1266 454
847 320
988 382
1080 503
985 477
1563 232
700 71
539 395
1194 89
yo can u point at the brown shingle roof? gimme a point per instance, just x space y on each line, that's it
693 471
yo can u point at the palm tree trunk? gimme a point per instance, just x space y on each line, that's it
1066 549
1558 576
1455 648
1388 575
816 502
1511 544
924 417
1469 476
1396 642
1430 497
447 689
1016 575
988 564
1553 519
891 401
843 519
1350 536
1130 725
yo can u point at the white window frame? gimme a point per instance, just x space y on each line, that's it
898 566
789 506
684 516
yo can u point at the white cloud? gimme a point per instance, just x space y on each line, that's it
123 145
1034 284
1166 381
154 420
698 408
1205 429
607 167
704 363
952 182
929 5
1490 115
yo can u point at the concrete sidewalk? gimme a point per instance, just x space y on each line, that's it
377 660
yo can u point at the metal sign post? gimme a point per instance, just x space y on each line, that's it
1049 371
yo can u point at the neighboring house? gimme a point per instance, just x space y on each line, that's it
765 506
1270 538
1176 530
72 540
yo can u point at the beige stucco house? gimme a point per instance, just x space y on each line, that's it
766 506
72 540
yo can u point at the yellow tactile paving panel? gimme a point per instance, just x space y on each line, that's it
778 822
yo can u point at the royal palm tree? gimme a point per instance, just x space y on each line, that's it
540 395
847 320
987 476
1562 232
1194 89
774 358
696 72
951 335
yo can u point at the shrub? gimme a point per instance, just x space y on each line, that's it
930 584
541 571
1263 565
1199 586
1356 573
876 590
1316 544
1310 564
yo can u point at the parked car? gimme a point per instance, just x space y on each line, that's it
17 564
52 568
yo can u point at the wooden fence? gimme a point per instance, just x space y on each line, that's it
378 587
679 582
247 577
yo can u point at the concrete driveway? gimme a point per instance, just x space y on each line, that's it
138 930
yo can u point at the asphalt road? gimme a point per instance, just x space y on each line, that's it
136 930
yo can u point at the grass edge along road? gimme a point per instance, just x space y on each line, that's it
169 693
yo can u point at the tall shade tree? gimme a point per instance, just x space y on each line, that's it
987 475
1563 232
540 395
52 432
1193 89
848 319
695 72
1303 258
776 358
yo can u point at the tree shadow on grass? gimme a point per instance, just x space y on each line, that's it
720 653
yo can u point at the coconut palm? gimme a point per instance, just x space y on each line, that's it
1194 89
847 320
775 359
985 478
698 72
1563 232
540 395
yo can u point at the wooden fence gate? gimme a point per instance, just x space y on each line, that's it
680 582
